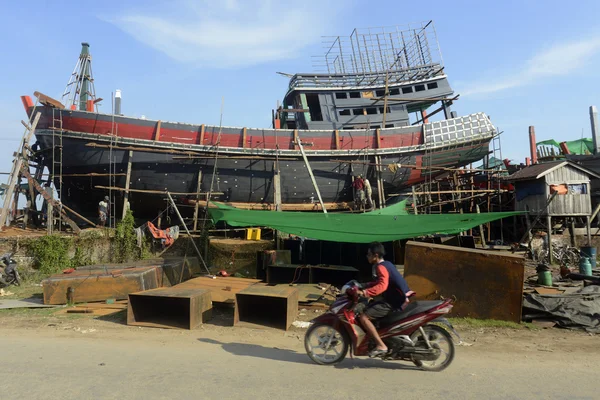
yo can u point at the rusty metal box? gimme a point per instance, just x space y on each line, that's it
263 305
99 285
179 308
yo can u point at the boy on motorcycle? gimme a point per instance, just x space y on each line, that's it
392 288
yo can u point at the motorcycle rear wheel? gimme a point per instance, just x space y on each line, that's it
440 339
325 344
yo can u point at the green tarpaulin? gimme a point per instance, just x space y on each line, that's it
579 146
395 224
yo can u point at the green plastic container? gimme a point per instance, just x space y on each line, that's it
585 267
545 278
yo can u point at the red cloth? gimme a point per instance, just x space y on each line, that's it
358 184
160 233
380 285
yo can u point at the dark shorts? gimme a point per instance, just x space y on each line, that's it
378 309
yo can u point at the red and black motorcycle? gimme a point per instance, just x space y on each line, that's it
408 333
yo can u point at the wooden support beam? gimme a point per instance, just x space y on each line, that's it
296 139
152 191
244 137
127 183
377 138
276 187
481 234
50 202
157 131
550 256
197 205
188 232
336 134
312 177
414 197
202 132
16 170
79 216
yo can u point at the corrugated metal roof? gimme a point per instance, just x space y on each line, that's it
539 170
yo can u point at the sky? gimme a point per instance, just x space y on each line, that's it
521 62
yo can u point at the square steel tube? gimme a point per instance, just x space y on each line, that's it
169 308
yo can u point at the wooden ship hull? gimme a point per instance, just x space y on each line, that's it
181 158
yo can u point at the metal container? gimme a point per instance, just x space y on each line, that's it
589 252
585 267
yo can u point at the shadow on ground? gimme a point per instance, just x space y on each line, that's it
276 354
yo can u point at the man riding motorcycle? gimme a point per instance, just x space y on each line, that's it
392 288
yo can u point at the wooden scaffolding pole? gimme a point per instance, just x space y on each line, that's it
16 170
312 177
127 182
197 205
188 232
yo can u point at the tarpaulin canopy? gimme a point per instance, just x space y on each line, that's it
579 146
391 223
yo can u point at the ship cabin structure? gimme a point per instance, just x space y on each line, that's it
388 80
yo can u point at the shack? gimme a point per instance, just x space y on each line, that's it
557 189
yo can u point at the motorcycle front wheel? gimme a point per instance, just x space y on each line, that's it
440 341
325 345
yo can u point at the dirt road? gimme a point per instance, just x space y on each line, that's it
84 359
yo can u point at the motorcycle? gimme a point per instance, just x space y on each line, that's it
407 333
8 271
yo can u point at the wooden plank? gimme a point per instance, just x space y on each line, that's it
337 139
47 100
157 131
152 191
377 138
244 137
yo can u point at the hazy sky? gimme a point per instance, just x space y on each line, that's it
521 62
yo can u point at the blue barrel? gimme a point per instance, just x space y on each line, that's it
585 267
589 252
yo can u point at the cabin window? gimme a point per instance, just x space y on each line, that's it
381 110
355 95
395 92
358 111
375 127
407 89
389 125
345 111
432 85
314 107
419 88
341 95
380 93
347 128
371 110
580 188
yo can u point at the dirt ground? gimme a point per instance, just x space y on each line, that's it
81 357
